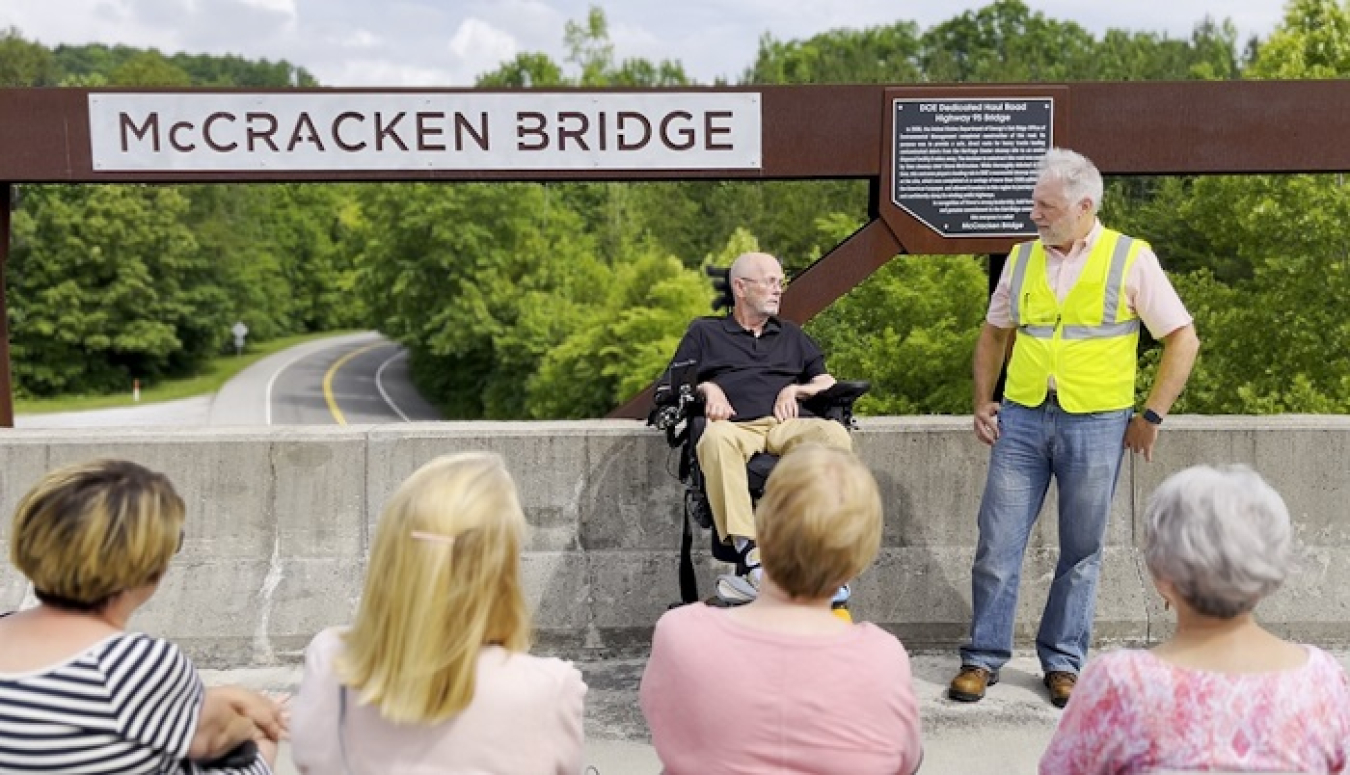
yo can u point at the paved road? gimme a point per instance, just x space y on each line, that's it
367 376
1004 734
361 380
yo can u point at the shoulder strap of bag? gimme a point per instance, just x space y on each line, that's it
342 729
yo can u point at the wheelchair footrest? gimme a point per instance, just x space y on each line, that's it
717 602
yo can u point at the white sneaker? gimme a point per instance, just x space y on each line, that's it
736 590
842 596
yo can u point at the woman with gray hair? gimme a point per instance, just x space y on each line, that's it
1222 693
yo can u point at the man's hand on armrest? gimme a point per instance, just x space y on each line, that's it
818 384
715 404
785 406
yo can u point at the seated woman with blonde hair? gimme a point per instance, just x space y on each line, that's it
433 676
78 693
1222 694
781 684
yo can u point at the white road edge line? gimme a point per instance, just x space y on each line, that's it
272 380
379 385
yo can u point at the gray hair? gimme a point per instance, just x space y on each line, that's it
1221 536
1081 178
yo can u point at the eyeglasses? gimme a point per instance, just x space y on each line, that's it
772 283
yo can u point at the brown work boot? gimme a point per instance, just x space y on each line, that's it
1060 684
969 684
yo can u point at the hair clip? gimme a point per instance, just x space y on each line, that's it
433 538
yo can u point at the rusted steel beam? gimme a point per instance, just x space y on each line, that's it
839 271
1211 127
1192 127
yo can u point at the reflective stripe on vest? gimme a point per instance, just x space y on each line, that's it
1091 358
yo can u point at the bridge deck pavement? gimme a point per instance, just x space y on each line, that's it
1002 735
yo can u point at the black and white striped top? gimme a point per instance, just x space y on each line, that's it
129 704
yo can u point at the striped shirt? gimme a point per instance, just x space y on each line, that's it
129 704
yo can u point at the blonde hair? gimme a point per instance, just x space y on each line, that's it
443 581
819 522
89 531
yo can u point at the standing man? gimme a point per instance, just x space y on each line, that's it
753 372
1075 298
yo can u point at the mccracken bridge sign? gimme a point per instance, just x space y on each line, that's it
950 166
411 131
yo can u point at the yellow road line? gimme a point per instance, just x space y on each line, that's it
332 372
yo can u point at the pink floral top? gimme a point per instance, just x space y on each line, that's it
1134 713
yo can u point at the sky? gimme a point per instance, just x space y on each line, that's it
450 42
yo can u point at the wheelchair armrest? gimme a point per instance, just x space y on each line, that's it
836 403
676 415
675 398
841 393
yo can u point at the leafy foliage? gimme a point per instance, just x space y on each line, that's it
909 329
118 290
114 283
562 300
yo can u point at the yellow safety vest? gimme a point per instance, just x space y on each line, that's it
1089 343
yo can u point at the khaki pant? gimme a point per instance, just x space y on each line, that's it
725 447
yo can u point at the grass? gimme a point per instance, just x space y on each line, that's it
218 371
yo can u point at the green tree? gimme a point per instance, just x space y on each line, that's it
1006 41
148 68
25 63
106 285
909 329
886 54
1313 41
617 346
590 49
527 70
1264 258
445 269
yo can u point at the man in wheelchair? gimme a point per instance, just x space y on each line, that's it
751 377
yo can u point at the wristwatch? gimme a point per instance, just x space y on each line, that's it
1151 417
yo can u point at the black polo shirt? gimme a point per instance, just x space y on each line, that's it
750 369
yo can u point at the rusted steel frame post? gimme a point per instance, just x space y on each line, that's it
839 271
6 389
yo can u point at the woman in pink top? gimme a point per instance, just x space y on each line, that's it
433 676
781 685
1222 693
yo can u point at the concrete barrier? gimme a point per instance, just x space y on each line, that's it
280 522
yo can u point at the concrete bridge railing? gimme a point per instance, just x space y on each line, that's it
280 522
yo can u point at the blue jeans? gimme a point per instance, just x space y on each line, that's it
1083 453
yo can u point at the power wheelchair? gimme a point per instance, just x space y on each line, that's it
678 410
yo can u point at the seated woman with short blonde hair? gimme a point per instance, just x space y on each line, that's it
77 692
1222 694
781 684
433 676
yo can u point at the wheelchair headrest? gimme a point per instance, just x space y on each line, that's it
723 298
